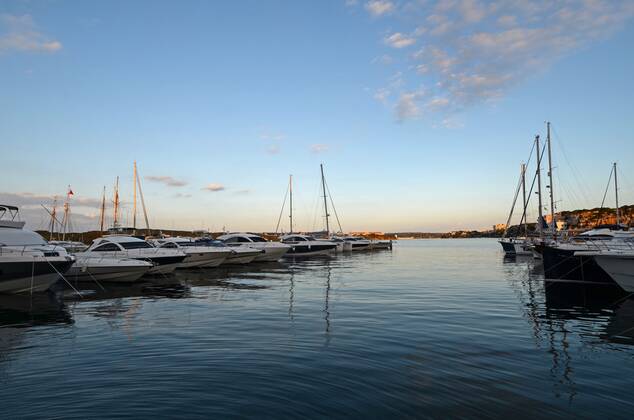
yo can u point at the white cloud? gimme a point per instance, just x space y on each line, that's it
214 187
398 40
379 7
319 148
475 52
19 33
166 180
382 95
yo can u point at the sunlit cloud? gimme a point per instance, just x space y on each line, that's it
398 40
214 187
379 7
319 148
19 33
166 180
474 52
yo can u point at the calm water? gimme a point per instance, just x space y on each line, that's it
430 329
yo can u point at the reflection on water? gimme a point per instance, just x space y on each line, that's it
434 328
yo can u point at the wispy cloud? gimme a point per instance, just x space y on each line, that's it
273 149
398 40
319 148
19 33
181 195
166 180
33 199
242 191
379 7
474 52
214 187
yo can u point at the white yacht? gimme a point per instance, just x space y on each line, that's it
239 255
198 255
306 246
381 244
101 268
357 243
70 246
618 263
27 262
164 261
273 251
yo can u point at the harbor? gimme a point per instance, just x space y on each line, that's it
346 209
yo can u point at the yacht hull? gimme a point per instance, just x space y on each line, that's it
220 257
107 274
271 254
28 275
562 264
620 268
207 259
309 250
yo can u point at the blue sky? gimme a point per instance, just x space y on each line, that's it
421 111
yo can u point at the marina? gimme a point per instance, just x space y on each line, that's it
355 209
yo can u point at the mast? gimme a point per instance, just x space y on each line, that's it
134 200
102 217
115 222
66 213
323 185
524 199
539 187
53 214
138 183
290 190
616 193
550 181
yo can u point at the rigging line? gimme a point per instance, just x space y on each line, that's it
333 206
607 187
530 192
279 219
575 172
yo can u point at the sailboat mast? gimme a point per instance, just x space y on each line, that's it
523 168
115 222
539 186
53 214
550 181
66 213
138 183
103 210
323 186
616 193
134 200
290 202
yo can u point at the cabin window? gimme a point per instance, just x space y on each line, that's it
257 239
135 245
242 239
169 245
107 247
233 240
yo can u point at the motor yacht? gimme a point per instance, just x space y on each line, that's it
101 268
239 255
381 244
357 243
305 246
27 262
273 251
164 261
198 255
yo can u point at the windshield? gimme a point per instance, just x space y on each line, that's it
135 245
17 237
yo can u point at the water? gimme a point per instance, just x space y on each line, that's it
431 329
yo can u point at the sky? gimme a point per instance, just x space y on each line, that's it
420 111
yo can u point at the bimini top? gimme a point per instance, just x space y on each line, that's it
241 238
8 215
